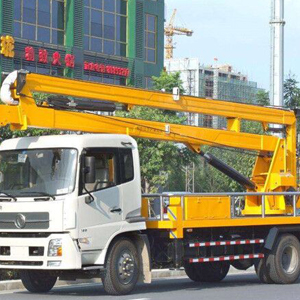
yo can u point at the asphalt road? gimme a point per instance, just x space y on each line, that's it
244 286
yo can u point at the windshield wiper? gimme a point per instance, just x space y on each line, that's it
39 194
6 195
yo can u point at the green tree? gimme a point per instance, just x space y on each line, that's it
161 162
291 92
209 179
263 98
167 82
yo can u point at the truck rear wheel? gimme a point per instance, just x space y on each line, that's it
122 268
37 281
262 272
242 265
207 272
284 260
193 272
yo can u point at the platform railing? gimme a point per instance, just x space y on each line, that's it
157 203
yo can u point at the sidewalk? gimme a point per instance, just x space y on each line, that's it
17 284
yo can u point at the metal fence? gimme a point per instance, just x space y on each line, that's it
158 203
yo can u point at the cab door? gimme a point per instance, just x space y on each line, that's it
101 218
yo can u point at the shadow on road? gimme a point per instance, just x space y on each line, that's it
158 286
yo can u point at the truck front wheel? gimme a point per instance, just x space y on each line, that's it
37 281
122 268
207 272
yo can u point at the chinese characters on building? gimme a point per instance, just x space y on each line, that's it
56 59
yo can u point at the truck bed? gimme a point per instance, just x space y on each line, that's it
178 213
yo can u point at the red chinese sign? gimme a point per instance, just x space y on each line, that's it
106 69
56 59
69 60
43 57
29 54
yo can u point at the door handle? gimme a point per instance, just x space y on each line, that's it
116 210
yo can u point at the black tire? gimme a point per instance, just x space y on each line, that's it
122 255
262 272
284 260
207 272
37 281
242 265
192 271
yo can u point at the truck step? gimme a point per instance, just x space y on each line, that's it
226 243
225 258
93 267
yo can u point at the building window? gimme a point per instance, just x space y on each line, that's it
148 83
150 38
109 79
207 121
209 88
105 26
40 20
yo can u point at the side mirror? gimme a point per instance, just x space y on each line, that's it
89 169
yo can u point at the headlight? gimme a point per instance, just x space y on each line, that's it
55 247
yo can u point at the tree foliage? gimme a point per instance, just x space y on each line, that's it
209 179
291 92
167 82
160 161
263 98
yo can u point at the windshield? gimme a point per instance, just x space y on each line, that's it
25 173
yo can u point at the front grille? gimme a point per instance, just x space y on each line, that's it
24 235
20 263
5 251
27 221
36 251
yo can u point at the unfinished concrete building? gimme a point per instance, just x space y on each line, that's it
213 81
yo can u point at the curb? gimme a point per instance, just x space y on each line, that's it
11 285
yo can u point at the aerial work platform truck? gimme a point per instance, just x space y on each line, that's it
71 205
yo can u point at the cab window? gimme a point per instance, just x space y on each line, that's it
106 169
127 170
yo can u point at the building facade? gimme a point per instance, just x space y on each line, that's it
215 82
112 41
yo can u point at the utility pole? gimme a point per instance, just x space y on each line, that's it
277 52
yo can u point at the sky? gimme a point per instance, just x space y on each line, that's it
237 32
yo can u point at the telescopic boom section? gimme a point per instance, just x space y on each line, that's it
137 97
275 167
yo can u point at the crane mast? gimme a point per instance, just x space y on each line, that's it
170 31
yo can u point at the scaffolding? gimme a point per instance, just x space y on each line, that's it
215 82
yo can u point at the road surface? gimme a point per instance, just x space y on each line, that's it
243 286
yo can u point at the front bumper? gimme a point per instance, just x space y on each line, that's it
32 253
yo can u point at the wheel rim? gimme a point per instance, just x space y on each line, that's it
126 267
289 259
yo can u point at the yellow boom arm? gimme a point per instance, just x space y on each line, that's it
275 168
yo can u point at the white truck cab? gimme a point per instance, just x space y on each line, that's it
68 197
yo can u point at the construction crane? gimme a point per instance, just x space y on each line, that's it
170 31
